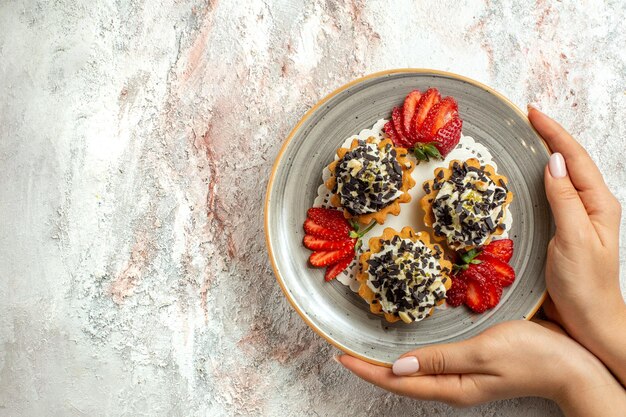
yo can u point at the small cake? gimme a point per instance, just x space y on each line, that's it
370 180
403 276
465 204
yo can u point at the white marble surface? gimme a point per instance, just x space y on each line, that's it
136 139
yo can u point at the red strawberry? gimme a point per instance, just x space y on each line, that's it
494 292
334 270
501 249
329 219
456 294
438 116
396 118
486 274
478 270
429 98
477 296
315 243
477 277
408 110
504 273
393 135
320 214
312 228
325 258
448 137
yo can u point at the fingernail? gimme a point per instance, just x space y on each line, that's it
557 165
532 106
406 366
336 358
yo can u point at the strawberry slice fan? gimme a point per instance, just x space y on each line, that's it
333 240
481 275
426 124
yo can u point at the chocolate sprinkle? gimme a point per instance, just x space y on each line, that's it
368 178
403 272
472 213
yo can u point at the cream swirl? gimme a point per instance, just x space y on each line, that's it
369 178
407 278
468 207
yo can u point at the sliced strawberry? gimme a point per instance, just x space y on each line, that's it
438 116
501 249
325 258
329 219
408 110
428 100
448 137
477 295
477 272
315 243
494 292
312 228
456 294
504 273
396 118
482 270
477 278
320 214
393 135
333 270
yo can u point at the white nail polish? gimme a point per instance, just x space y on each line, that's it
406 366
557 165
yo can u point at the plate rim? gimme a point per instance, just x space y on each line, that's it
295 129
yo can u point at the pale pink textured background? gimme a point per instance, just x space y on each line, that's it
136 142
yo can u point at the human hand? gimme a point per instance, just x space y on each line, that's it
512 359
582 267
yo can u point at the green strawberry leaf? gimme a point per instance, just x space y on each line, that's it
465 257
419 154
357 233
431 150
367 229
468 257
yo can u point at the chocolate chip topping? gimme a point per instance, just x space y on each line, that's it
468 207
368 178
406 277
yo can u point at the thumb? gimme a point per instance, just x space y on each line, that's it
451 358
567 208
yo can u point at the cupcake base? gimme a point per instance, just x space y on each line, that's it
375 246
394 208
444 174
